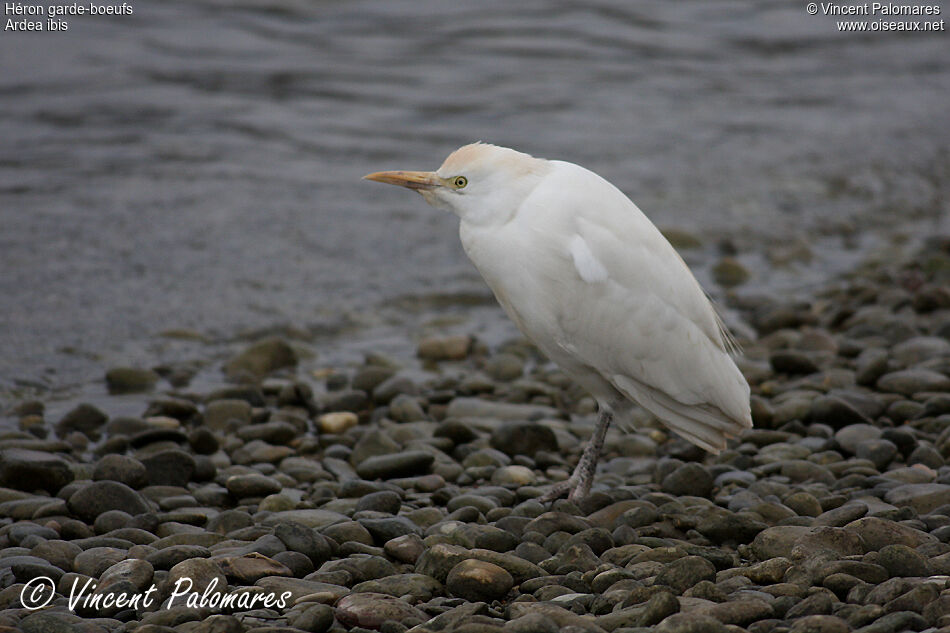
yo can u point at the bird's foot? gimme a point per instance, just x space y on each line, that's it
577 487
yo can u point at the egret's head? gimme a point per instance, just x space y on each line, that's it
480 183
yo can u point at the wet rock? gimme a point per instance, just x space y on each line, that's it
690 623
475 580
84 418
878 452
777 541
729 272
405 464
910 381
252 485
878 533
337 422
101 496
220 414
169 468
130 380
197 575
504 367
387 528
405 408
901 560
924 498
33 470
523 438
689 479
260 359
820 624
371 610
251 567
741 612
685 572
444 348
405 549
121 468
316 619
792 362
415 587
850 436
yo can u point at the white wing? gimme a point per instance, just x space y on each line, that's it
600 287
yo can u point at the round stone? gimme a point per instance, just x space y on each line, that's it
476 580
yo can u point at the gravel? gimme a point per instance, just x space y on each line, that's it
384 498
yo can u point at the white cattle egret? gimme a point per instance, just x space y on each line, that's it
595 285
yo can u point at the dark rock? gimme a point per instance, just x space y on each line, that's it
900 560
121 468
406 464
371 610
307 541
33 470
523 438
260 359
84 418
475 580
910 381
315 619
924 498
689 479
130 380
878 452
690 623
101 496
171 467
387 528
252 485
792 362
382 501
685 572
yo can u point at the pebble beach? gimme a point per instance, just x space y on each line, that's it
374 498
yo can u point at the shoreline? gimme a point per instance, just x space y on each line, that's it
387 498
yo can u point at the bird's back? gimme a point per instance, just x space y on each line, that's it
591 281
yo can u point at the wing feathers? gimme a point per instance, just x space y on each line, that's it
704 425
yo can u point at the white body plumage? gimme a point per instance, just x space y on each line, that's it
592 282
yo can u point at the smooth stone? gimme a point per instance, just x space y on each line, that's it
478 408
337 422
314 518
121 468
371 610
924 498
910 381
260 359
169 468
878 533
387 528
252 485
251 567
121 380
417 587
405 464
523 438
101 496
689 479
220 414
685 572
84 418
30 470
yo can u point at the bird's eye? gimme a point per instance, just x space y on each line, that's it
460 181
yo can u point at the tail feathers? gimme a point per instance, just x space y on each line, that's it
704 425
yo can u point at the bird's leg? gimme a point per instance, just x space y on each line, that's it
580 481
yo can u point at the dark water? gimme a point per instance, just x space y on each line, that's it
197 164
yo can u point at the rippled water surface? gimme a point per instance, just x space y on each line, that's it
197 165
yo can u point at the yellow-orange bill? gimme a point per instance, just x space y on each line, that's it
409 179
